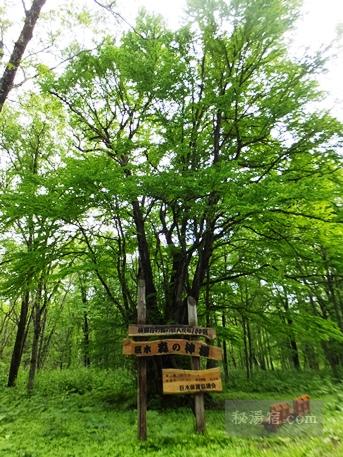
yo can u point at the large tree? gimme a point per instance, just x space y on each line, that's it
195 159
211 128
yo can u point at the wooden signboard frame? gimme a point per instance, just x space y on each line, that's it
193 381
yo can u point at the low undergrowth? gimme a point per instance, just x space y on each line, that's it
91 413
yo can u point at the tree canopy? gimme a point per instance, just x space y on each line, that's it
195 159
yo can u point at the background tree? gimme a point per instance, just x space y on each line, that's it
7 79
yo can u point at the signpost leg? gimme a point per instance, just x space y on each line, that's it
142 367
198 398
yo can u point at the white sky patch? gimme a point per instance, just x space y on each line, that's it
171 10
318 26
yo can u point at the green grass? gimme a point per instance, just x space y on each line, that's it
91 414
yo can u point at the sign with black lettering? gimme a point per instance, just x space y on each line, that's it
171 346
156 330
191 381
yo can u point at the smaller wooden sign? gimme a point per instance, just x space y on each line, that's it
191 381
156 330
171 346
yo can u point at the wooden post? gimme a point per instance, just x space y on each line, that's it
198 398
142 367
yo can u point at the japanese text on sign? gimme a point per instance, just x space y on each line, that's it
171 346
139 330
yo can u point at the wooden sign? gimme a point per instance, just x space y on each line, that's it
156 330
171 346
191 381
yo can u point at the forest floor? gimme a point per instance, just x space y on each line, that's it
74 414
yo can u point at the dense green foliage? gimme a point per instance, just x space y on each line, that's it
194 159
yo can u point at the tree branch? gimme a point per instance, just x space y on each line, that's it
6 82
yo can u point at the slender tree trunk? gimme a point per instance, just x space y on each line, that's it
332 356
246 350
35 345
263 360
269 352
295 354
311 357
5 332
38 309
232 353
7 80
85 327
40 356
19 340
292 342
251 358
225 363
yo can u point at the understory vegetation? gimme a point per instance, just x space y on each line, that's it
91 413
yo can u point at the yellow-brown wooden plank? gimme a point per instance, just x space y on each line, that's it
191 381
210 374
157 330
171 346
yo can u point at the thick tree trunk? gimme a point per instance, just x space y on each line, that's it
203 263
19 341
7 80
145 264
176 309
